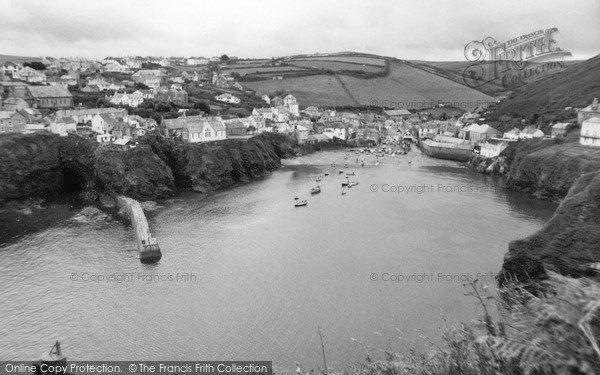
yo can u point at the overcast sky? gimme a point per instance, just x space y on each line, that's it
418 29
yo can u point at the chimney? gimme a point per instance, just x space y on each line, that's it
595 104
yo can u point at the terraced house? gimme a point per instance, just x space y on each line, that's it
12 122
194 129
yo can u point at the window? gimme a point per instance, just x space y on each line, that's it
207 133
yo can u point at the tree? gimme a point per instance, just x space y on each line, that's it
35 65
224 58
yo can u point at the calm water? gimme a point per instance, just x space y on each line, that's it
257 275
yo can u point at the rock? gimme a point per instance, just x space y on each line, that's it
567 244
90 214
150 206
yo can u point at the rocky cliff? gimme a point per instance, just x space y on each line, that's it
570 241
39 164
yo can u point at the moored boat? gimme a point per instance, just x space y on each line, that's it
299 203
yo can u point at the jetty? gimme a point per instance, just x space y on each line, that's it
147 245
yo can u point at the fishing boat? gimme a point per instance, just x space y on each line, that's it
315 190
299 203
54 357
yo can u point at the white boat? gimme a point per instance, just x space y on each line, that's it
343 192
315 190
318 179
299 203
350 174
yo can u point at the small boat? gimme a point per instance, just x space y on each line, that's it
346 165
345 183
300 203
343 192
326 173
315 190
352 183
318 179
350 174
341 171
296 198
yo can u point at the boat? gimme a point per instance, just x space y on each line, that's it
315 190
326 173
350 174
345 183
343 192
299 203
346 165
318 179
341 171
54 357
352 183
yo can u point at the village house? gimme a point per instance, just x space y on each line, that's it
531 132
228 98
100 82
291 104
172 96
85 115
492 148
105 138
559 129
317 138
30 75
197 61
590 132
312 112
481 133
91 88
133 100
116 67
195 129
235 127
50 96
61 125
104 123
397 114
12 122
14 104
31 114
151 78
592 110
512 134
266 99
300 134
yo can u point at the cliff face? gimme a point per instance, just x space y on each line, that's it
39 164
568 244
546 168
209 166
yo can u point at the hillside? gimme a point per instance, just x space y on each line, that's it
491 78
573 87
405 86
18 59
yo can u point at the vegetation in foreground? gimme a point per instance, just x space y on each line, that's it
556 331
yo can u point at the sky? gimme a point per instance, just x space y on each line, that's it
412 30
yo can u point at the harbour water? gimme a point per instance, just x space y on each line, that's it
245 275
